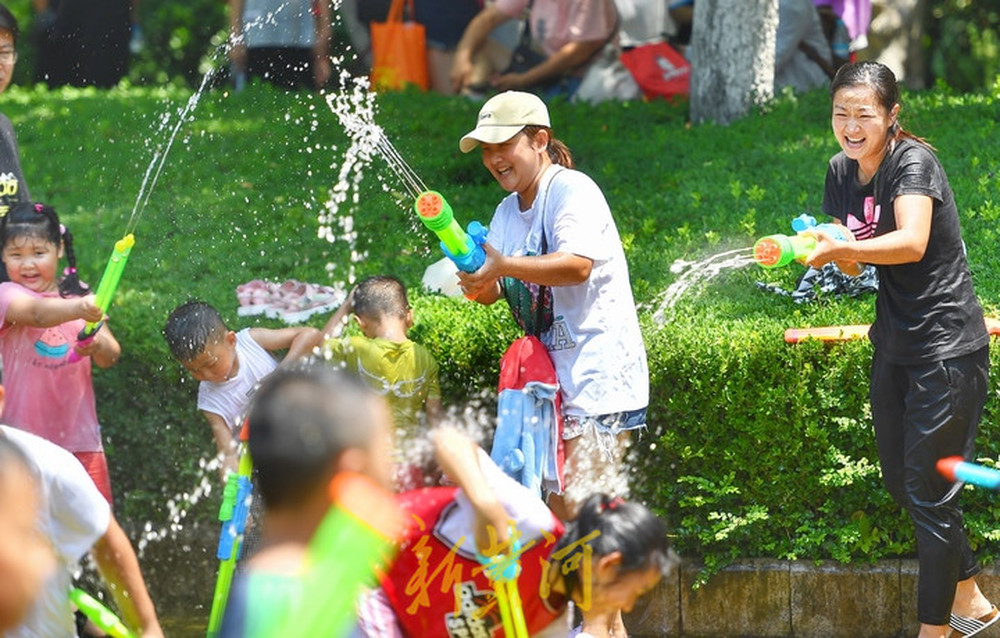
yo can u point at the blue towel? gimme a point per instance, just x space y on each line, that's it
526 441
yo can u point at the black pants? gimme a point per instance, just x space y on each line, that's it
921 414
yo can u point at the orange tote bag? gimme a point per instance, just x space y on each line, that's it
399 51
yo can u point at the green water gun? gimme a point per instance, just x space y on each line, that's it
236 500
775 251
106 290
503 570
101 616
463 248
355 539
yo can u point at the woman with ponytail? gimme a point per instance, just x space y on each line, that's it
41 314
554 253
602 562
930 368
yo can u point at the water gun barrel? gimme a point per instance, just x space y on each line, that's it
955 468
233 512
353 542
463 248
109 281
775 251
101 616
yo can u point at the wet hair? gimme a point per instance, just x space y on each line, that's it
192 327
558 151
381 296
622 526
40 221
880 79
300 420
9 23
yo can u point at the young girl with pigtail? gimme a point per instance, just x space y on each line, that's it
49 393
603 561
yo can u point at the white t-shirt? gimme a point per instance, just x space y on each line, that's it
73 516
230 399
594 341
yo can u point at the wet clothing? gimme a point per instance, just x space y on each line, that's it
230 399
929 377
405 373
590 329
13 189
74 516
47 394
437 558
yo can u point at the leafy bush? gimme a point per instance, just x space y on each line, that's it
756 448
963 42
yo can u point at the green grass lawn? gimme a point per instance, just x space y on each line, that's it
756 448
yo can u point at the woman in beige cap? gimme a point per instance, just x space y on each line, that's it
553 252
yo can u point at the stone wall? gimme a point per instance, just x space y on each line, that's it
770 598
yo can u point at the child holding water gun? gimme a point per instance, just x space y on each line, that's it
613 553
48 392
229 365
309 425
401 370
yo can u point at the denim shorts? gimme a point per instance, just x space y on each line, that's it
577 425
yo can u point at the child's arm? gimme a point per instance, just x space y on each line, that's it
119 566
335 325
458 456
104 350
300 342
224 442
46 312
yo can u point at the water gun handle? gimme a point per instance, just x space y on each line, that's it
475 256
955 468
465 249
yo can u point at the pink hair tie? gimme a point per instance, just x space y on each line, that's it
69 271
62 229
38 208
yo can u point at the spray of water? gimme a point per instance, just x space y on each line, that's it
694 274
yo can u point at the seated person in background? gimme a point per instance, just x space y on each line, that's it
308 425
567 35
26 558
445 22
229 365
75 519
802 58
401 370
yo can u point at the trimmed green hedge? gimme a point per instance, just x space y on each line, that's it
757 448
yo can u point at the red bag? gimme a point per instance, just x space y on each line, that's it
399 51
658 69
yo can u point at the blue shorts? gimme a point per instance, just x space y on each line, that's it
576 425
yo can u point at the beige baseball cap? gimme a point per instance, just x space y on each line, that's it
503 116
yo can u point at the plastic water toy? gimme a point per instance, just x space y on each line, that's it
106 289
775 251
463 248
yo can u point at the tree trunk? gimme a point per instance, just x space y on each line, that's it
732 57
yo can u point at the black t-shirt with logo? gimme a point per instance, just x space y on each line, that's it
13 190
925 311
